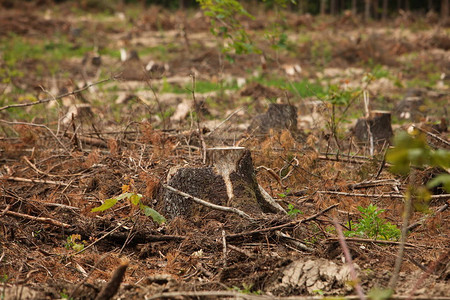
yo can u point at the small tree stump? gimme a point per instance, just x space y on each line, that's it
228 180
412 106
278 117
377 125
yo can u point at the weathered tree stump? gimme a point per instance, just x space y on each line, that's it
377 126
412 106
133 68
278 117
227 180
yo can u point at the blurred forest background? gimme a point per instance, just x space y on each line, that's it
370 9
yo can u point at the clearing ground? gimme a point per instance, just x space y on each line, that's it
127 124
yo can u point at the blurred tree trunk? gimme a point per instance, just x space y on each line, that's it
407 6
354 9
367 10
323 6
399 5
385 9
301 6
376 13
430 5
333 7
444 10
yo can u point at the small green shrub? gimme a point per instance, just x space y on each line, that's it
72 242
372 226
135 199
292 211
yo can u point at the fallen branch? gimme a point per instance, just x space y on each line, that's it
407 211
20 179
88 140
14 196
98 240
289 224
340 155
237 295
33 166
349 260
432 135
88 275
224 121
423 219
373 183
209 204
400 196
293 241
370 241
345 160
443 258
5 210
37 125
38 219
57 97
111 288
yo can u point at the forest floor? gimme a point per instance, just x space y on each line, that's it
137 120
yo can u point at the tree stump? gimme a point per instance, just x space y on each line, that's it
278 117
412 106
377 126
228 180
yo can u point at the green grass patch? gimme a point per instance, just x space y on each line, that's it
304 88
16 48
45 53
201 87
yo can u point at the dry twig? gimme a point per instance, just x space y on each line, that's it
348 259
38 219
400 196
432 135
111 288
37 125
57 97
289 224
371 241
237 295
20 179
209 204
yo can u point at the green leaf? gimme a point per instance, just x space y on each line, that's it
78 247
380 294
124 196
443 179
107 204
135 198
441 158
150 212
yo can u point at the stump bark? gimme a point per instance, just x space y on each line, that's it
278 117
412 106
228 179
376 126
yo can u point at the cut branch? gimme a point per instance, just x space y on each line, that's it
20 179
111 288
400 196
37 125
37 219
357 240
57 97
432 135
208 204
348 259
289 224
